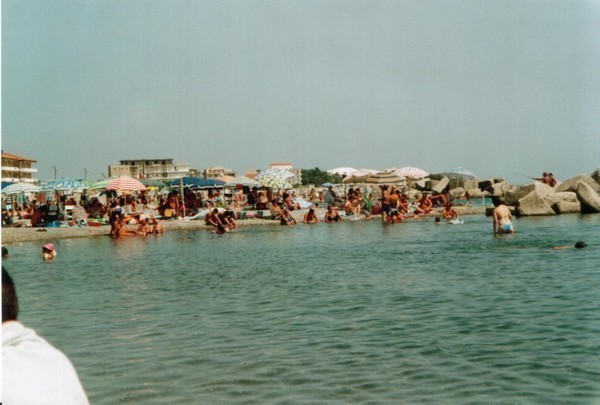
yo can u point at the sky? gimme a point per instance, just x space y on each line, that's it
503 88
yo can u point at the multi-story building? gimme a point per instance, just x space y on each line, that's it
16 169
216 171
158 169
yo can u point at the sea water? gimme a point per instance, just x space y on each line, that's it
354 312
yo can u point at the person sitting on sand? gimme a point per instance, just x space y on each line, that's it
212 218
424 206
402 203
275 209
227 219
289 202
502 217
310 217
449 212
332 215
287 218
48 252
154 226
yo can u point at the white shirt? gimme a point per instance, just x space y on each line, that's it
34 372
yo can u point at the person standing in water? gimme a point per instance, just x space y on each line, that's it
502 217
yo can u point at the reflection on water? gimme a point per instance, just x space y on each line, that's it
351 312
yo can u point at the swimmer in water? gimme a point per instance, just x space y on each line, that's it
48 252
579 245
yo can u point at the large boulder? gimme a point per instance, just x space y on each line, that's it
533 204
457 193
566 207
515 194
572 183
588 197
484 184
467 184
422 184
596 175
477 193
440 186
565 196
498 189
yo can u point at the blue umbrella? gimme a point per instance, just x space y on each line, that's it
64 184
186 181
211 183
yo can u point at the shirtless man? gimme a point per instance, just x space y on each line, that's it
502 217
425 205
449 212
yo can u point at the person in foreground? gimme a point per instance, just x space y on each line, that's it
502 217
34 372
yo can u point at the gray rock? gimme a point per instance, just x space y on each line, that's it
588 197
565 196
466 184
498 189
513 195
477 193
439 187
457 192
566 207
533 204
596 175
423 184
572 183
484 184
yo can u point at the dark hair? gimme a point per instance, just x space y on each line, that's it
496 201
10 302
215 211
4 251
580 245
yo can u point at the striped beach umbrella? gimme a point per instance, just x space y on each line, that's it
125 183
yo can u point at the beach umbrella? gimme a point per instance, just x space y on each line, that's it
412 172
18 188
210 183
360 175
152 183
342 171
275 178
125 184
225 178
100 184
243 180
64 184
458 174
187 181
384 178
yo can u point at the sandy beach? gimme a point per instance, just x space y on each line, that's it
28 234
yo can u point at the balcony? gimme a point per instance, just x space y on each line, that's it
17 170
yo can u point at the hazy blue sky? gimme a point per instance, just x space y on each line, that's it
497 87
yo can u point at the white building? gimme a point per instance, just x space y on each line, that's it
18 169
158 169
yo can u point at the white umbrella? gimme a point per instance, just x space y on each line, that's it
360 175
342 171
412 172
243 180
19 188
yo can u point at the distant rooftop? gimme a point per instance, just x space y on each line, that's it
15 157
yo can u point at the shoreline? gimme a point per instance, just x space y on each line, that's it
12 235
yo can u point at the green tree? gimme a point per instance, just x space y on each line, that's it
317 176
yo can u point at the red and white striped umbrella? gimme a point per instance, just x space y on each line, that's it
125 183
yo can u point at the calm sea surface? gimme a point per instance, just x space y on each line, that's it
356 312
